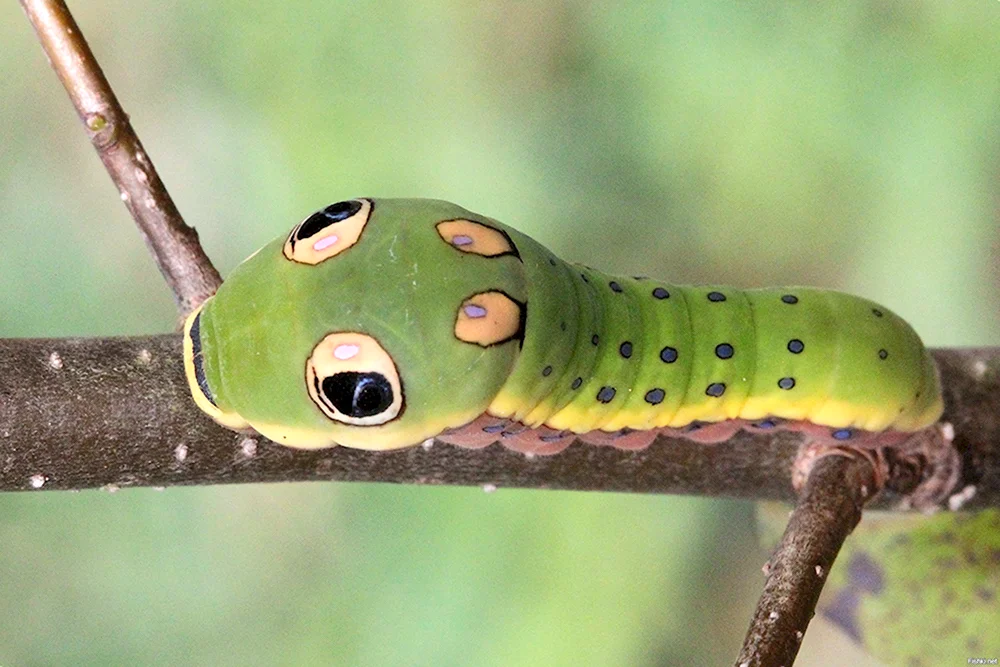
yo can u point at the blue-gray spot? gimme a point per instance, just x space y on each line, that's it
660 293
790 299
716 297
724 351
786 383
795 346
606 394
715 389
474 311
668 355
842 434
655 396
461 240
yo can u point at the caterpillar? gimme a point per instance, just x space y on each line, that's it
380 323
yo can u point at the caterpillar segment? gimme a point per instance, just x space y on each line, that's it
377 324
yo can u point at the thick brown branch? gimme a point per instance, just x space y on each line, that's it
81 413
830 507
174 245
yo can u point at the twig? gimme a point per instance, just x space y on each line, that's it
84 413
830 507
174 245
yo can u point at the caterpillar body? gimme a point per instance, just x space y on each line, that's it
378 324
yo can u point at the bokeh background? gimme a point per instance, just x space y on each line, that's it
853 146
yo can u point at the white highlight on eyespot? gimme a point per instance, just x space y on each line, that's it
325 242
55 361
37 481
428 443
474 311
181 452
111 488
345 352
489 488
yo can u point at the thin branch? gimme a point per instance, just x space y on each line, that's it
830 508
84 413
185 266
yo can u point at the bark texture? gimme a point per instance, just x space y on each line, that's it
84 413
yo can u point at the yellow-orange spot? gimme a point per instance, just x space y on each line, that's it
329 241
474 237
487 319
346 352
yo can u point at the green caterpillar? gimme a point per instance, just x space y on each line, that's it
377 324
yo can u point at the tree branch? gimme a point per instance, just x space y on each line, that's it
185 266
84 413
832 499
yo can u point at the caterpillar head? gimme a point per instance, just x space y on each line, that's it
373 324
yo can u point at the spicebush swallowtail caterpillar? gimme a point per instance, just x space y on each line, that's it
377 324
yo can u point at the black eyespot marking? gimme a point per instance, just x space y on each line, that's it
595 339
615 287
716 297
199 360
790 299
883 354
655 396
576 383
606 394
547 371
585 278
842 434
552 261
625 349
562 326
668 355
715 389
660 293
358 394
320 220
795 346
724 351
640 277
877 312
786 383
693 426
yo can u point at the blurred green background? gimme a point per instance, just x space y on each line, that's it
853 146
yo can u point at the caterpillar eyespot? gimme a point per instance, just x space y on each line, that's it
378 324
